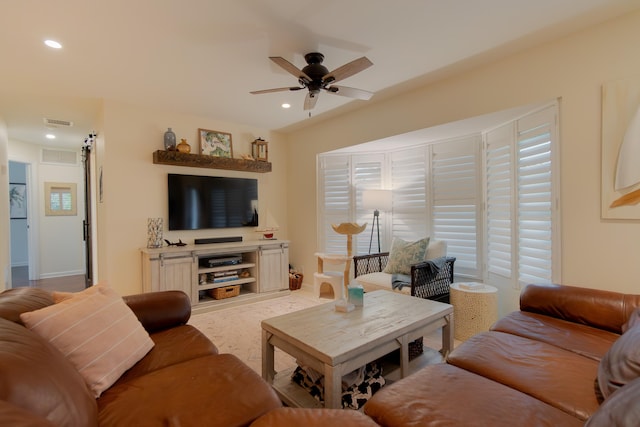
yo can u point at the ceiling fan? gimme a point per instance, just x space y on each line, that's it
315 77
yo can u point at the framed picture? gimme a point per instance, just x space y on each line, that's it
620 185
18 201
214 143
60 199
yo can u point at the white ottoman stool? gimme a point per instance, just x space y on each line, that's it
474 310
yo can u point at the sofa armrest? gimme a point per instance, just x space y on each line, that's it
592 307
160 310
11 415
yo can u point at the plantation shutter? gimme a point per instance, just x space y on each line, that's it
367 175
535 197
409 170
334 201
521 215
456 189
499 205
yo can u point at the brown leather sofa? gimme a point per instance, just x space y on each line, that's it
182 381
536 367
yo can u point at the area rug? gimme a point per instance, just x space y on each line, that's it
237 330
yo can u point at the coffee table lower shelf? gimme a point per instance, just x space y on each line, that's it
295 396
291 393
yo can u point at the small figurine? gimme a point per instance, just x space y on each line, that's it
180 243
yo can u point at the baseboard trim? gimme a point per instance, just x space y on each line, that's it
62 274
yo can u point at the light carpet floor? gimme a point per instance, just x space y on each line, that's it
237 330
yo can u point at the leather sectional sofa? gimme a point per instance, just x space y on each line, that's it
536 367
182 381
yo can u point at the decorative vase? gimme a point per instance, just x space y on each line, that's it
154 232
183 147
169 140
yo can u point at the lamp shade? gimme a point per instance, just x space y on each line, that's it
376 199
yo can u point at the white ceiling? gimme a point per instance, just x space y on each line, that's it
202 57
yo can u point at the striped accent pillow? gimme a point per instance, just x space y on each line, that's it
96 331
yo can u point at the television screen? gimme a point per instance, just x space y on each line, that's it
201 202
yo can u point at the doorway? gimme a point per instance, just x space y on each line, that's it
46 249
19 190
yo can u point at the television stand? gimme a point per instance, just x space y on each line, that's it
252 270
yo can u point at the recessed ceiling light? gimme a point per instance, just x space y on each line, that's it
52 43
285 105
50 136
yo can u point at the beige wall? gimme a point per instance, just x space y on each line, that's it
595 253
136 189
5 267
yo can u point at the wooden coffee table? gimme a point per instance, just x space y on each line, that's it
337 343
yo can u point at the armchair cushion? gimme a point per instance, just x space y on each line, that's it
436 249
379 281
404 254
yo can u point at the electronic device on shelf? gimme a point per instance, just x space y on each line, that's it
220 261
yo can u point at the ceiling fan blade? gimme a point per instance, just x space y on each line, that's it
310 100
350 92
347 70
278 89
290 68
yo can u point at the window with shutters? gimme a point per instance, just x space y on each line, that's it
367 174
409 171
491 196
522 217
499 171
456 201
334 200
342 181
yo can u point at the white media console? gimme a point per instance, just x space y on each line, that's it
260 268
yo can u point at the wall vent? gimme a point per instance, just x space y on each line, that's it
55 123
59 157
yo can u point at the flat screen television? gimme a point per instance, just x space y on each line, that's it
202 202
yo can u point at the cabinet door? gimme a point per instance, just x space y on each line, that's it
274 268
178 274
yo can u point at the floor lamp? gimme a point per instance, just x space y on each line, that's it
378 200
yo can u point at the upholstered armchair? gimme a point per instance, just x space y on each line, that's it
430 279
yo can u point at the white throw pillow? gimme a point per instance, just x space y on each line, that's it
436 249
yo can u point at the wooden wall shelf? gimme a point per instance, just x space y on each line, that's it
162 157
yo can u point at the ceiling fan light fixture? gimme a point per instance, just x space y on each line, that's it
316 77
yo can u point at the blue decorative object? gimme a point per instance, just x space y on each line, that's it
169 140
